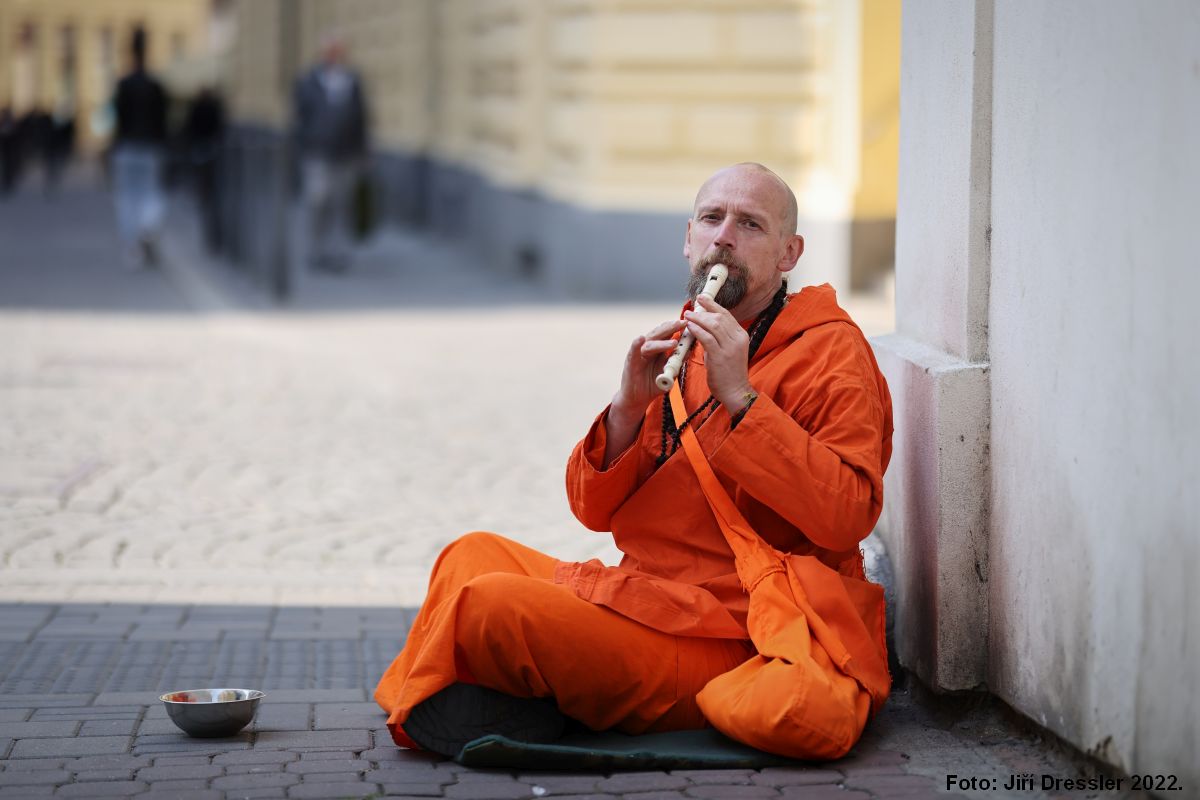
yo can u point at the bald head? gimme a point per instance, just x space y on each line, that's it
781 199
333 48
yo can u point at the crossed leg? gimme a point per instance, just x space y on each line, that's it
494 617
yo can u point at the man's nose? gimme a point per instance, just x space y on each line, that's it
726 234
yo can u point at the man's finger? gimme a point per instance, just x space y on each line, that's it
657 347
709 304
703 336
709 322
666 329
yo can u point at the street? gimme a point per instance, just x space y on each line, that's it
200 488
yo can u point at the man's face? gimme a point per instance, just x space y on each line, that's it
334 53
739 221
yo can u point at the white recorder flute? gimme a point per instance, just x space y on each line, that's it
716 279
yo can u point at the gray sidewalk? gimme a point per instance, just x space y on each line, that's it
79 718
197 488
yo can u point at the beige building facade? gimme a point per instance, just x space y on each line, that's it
64 56
603 116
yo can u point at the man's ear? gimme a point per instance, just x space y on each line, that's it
791 252
687 241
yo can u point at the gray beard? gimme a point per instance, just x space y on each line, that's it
732 291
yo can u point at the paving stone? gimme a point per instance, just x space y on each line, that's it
723 776
715 792
107 762
197 747
108 727
34 763
254 794
181 761
325 791
331 777
561 784
488 790
184 794
325 755
43 700
86 776
348 715
255 781
89 746
873 759
316 695
157 727
33 777
15 714
181 738
822 792
126 699
256 757
22 792
293 739
474 775
252 769
892 785
416 790
81 714
797 776
654 796
412 776
283 717
307 766
106 789
179 772
398 755
177 785
625 782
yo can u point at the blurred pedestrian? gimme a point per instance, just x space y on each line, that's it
331 133
37 137
10 150
58 147
203 132
138 154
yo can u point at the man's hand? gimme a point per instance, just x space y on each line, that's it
726 349
644 361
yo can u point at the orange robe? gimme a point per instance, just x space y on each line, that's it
629 646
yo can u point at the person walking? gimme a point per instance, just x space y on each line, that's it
203 133
331 132
138 154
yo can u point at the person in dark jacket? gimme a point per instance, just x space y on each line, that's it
203 132
331 133
10 150
139 150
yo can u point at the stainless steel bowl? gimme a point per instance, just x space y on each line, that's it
209 713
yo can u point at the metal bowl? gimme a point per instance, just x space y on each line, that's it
210 713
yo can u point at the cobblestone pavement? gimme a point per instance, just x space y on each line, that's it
197 489
79 718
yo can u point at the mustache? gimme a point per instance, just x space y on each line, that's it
724 256
735 285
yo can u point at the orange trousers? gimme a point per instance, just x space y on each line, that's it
494 617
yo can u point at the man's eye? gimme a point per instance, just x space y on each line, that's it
750 223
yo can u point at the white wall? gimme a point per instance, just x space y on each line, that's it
934 519
1048 237
1095 354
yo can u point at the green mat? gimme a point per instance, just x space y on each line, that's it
704 749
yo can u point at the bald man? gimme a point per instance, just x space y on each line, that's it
793 415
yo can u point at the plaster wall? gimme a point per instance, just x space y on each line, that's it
1095 520
934 520
944 167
